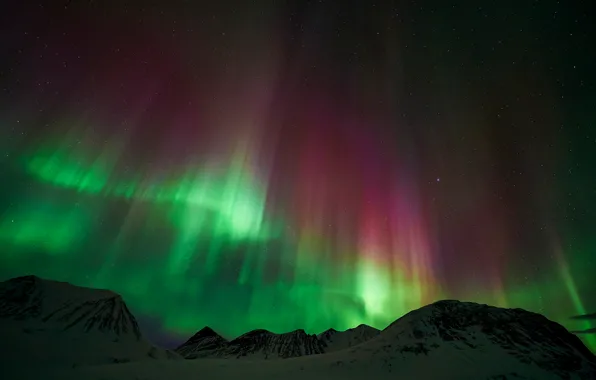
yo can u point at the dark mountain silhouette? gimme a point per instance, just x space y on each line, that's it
49 325
201 344
59 324
338 340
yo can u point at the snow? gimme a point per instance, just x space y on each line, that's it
52 330
55 325
261 344
363 364
338 340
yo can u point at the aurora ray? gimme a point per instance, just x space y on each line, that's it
237 170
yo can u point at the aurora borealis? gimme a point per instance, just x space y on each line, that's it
301 164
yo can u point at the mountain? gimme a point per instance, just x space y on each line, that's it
444 340
474 339
201 344
265 344
61 331
256 344
56 324
338 340
30 299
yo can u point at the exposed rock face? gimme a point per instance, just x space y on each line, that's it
338 340
254 344
472 330
31 298
201 344
58 324
265 344
268 344
445 329
47 325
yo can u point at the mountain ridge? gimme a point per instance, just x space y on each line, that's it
528 337
55 324
60 324
449 327
258 342
25 297
335 340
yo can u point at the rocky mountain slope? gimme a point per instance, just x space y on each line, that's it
68 332
338 340
30 299
203 343
254 344
57 324
267 345
444 340
483 338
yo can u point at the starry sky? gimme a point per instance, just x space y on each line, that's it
301 164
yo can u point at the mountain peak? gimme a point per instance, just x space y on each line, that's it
27 277
528 336
362 326
255 332
448 302
204 341
327 332
206 331
29 283
297 332
338 340
65 306
73 325
257 342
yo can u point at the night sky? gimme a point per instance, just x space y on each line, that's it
301 164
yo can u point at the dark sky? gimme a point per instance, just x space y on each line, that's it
301 164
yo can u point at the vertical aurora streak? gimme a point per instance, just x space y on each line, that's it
241 173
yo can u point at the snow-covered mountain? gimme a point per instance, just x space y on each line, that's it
267 345
256 344
338 340
445 340
56 324
479 339
30 299
201 344
69 332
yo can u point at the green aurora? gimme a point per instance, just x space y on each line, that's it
301 166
